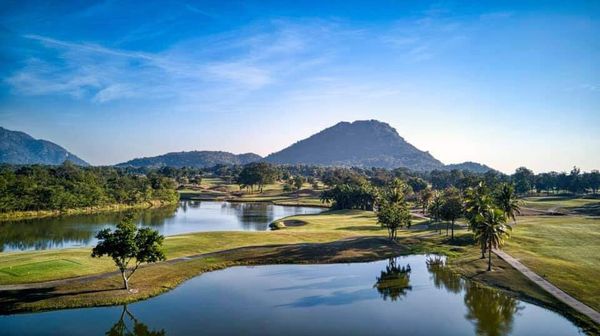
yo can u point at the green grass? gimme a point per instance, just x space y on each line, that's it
562 203
563 249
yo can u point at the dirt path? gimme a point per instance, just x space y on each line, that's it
550 288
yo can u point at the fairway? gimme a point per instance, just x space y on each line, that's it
563 249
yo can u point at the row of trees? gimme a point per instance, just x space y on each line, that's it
34 188
486 210
575 181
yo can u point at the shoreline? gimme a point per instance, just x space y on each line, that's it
26 215
68 293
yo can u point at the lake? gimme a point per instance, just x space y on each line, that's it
410 295
189 216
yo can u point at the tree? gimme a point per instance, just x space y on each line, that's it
523 179
395 191
257 174
350 196
452 207
417 184
298 182
477 202
506 199
492 231
127 244
425 197
435 208
393 216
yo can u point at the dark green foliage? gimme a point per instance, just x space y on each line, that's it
350 196
523 179
34 188
394 281
393 216
506 200
257 174
452 207
298 182
20 148
127 244
417 184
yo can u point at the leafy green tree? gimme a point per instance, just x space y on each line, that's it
492 231
452 207
350 196
417 184
298 182
506 199
523 179
393 216
257 174
435 208
129 247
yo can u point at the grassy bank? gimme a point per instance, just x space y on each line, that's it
20 215
565 250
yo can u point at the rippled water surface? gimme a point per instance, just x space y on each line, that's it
189 216
412 295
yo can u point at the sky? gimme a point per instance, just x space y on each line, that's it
506 83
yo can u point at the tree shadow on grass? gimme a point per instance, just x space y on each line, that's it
12 300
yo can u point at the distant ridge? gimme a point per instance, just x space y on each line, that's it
363 143
470 166
20 148
196 159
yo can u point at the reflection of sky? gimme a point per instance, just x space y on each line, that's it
297 300
77 231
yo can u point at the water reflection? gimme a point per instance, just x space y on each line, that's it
442 276
394 281
128 325
189 216
335 299
491 311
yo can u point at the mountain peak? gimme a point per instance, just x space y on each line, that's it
20 148
362 143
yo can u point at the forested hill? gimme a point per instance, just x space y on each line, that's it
366 143
196 159
470 166
20 148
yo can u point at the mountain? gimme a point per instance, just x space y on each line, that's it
20 148
470 166
364 143
198 159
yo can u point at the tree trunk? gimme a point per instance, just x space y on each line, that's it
125 280
446 228
490 256
452 229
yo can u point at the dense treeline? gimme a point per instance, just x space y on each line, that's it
37 187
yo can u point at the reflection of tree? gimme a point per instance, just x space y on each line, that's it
251 213
139 329
442 275
394 281
490 310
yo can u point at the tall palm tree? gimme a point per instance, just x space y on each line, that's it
507 201
477 202
492 231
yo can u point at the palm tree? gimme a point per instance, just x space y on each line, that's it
492 231
435 208
425 197
507 201
477 203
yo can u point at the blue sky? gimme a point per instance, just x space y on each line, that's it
502 83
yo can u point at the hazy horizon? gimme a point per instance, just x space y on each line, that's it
506 84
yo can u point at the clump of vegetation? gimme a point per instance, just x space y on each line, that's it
127 244
36 187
